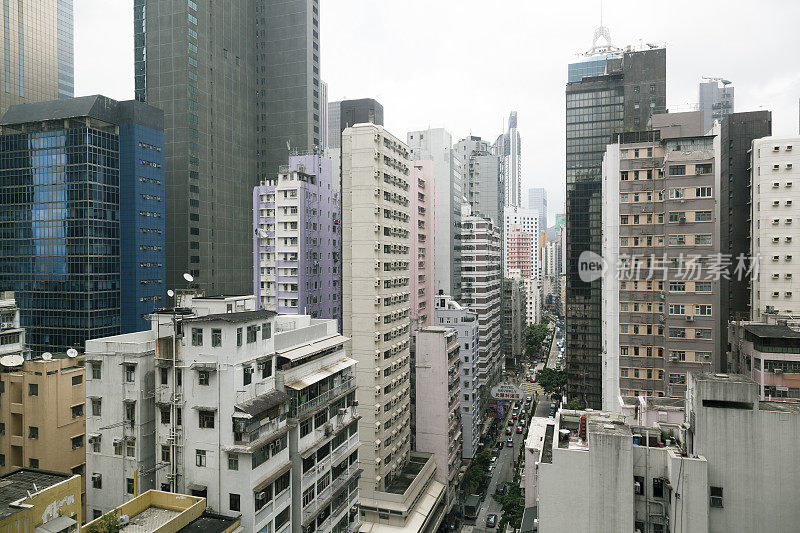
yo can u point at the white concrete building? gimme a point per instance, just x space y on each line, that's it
438 428
397 488
12 334
252 410
775 239
451 314
731 465
528 221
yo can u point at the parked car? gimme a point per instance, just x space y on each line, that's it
491 520
501 489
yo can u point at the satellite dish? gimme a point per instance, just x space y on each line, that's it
170 293
47 356
12 360
188 277
72 352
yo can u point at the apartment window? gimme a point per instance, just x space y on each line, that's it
703 168
282 483
164 376
703 310
702 333
702 240
677 170
677 309
233 461
308 496
676 194
678 333
638 485
33 432
34 463
130 373
130 448
200 457
197 336
234 502
247 375
117 447
165 415
677 240
203 377
165 452
702 192
97 481
677 379
207 419
238 336
266 368
658 487
2 428
33 389
677 286
216 338
129 486
266 330
251 334
96 370
77 410
97 407
282 518
716 497
702 216
305 427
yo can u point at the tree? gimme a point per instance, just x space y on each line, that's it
534 336
575 404
108 523
552 381
513 506
477 472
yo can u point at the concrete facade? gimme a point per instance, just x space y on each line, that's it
296 240
768 353
423 247
483 178
451 314
12 334
775 164
436 145
40 499
509 148
715 99
537 201
514 320
438 417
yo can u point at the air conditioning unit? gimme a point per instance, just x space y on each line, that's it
261 495
689 318
776 202
7 325
776 167
342 411
776 148
788 165
777 370
673 358
775 184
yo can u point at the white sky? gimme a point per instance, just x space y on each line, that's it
464 64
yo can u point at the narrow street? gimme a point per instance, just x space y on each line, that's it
543 407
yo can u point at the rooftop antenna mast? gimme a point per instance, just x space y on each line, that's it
603 32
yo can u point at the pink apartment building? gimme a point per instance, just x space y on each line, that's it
519 251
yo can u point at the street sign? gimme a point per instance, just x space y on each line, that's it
507 391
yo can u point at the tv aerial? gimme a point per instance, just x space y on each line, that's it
47 356
72 353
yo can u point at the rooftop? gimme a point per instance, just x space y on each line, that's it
726 378
15 486
235 318
772 331
149 520
781 407
209 523
664 402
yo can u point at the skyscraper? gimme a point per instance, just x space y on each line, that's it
323 116
436 145
537 199
38 52
483 178
509 147
607 91
715 98
239 86
82 237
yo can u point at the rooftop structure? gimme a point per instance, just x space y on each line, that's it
40 500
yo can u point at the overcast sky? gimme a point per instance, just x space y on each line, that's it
464 64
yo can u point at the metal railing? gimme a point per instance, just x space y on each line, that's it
323 398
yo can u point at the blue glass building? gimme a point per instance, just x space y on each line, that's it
81 217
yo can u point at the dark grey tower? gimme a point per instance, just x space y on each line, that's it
236 81
609 91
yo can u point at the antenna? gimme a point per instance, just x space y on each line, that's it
188 277
11 360
170 293
72 352
47 356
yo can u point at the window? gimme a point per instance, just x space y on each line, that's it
96 370
33 389
117 447
675 194
238 336
247 375
702 192
282 518
33 432
703 168
266 368
266 330
165 415
203 377
207 419
130 373
677 286
702 216
34 463
702 333
716 497
678 333
200 457
638 485
165 452
216 338
702 240
308 496
77 410
130 412
129 485
677 170
197 336
97 407
233 461
658 487
164 376
677 379
97 481
130 448
282 483
702 310
305 427
677 309
677 240
234 502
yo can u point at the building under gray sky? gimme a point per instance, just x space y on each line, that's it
715 98
537 199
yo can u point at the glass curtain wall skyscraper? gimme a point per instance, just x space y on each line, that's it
240 88
607 92
37 38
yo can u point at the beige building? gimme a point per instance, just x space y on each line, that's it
37 63
396 488
39 501
42 416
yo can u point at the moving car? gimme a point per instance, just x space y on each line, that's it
510 442
491 520
529 399
510 422
508 431
520 429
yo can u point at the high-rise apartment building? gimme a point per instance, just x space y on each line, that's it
82 238
660 291
774 167
12 334
509 148
438 411
423 252
38 52
482 280
525 221
253 411
436 145
514 320
42 417
518 254
607 91
451 314
296 240
537 201
239 85
715 98
323 116
376 306
483 178
769 353
334 135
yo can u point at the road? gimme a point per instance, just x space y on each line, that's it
543 407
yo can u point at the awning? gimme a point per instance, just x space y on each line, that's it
322 373
199 365
56 525
308 349
203 408
196 486
261 403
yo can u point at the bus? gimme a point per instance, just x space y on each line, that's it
471 506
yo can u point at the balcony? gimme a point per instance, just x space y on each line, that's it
346 386
323 498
